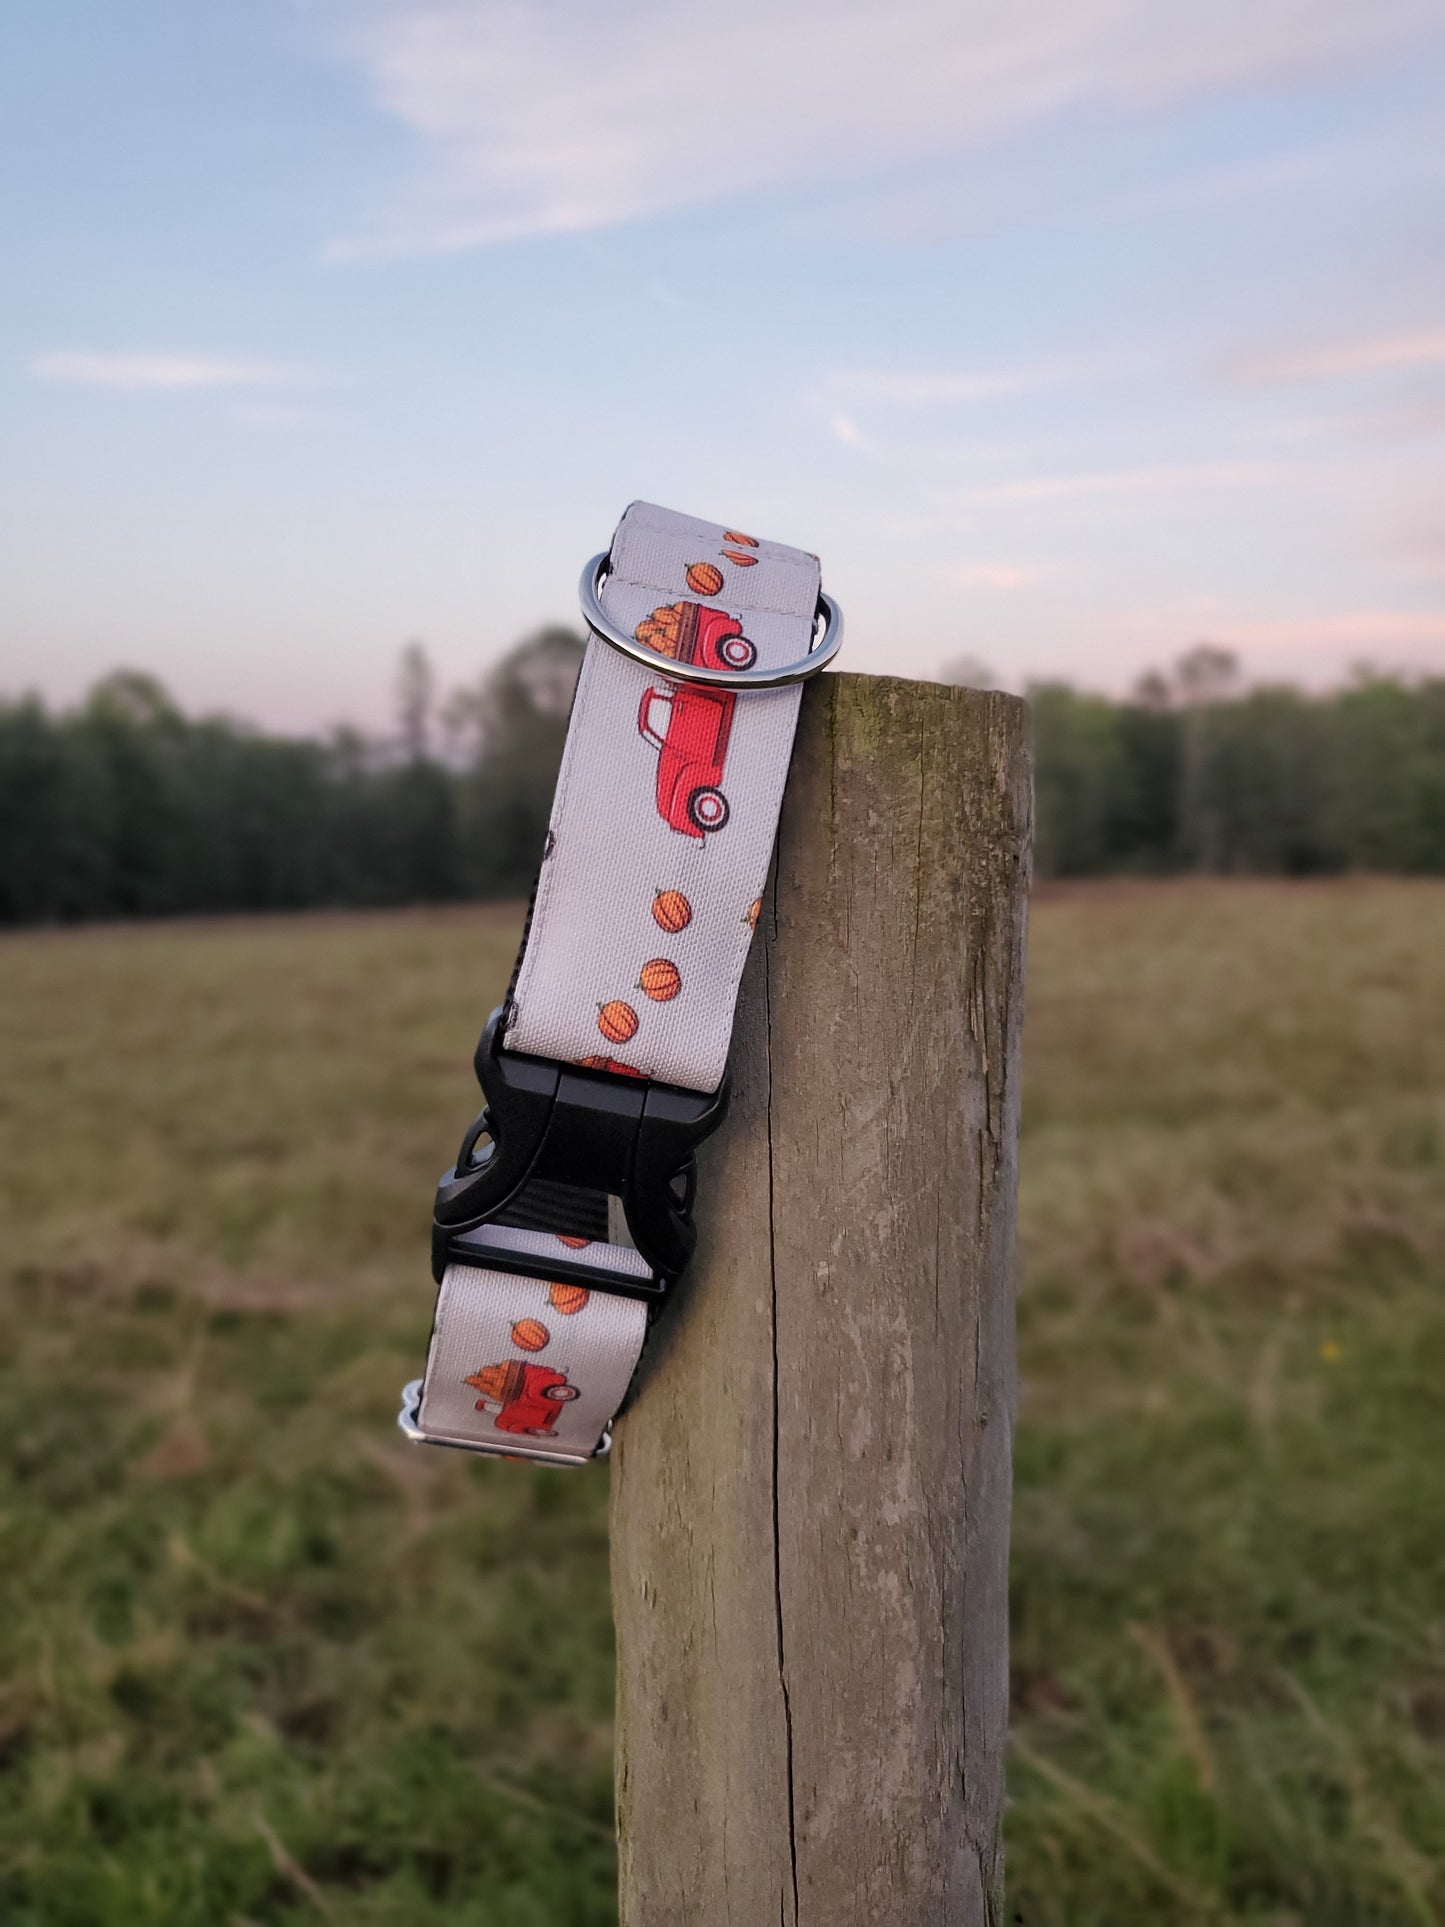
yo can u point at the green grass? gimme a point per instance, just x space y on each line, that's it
1229 1641
264 1663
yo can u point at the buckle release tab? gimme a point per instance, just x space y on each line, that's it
554 1140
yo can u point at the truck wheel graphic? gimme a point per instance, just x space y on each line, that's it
708 809
561 1394
737 652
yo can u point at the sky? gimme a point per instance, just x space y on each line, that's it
1069 333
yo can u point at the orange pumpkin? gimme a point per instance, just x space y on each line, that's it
568 1298
671 911
736 535
576 1244
530 1335
704 578
662 630
742 561
753 912
617 1021
660 980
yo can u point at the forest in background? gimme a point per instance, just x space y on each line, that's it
126 807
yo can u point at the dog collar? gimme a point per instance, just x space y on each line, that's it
568 1214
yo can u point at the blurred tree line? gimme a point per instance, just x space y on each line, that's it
126 807
1195 772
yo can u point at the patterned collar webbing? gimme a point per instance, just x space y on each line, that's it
661 832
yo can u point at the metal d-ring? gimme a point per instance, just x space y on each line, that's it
598 621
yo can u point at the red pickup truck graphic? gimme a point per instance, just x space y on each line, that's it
528 1396
689 724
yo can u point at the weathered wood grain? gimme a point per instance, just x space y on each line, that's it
811 1491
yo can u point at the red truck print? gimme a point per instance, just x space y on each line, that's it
528 1396
689 724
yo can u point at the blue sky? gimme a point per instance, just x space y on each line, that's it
1069 332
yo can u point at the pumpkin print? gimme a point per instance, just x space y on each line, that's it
573 1244
662 630
530 1335
613 1064
568 1299
617 1021
704 578
671 911
660 980
736 535
753 912
742 561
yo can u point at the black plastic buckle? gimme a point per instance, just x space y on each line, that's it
552 1146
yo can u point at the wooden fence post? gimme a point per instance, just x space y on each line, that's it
810 1496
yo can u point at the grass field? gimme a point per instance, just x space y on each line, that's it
264 1663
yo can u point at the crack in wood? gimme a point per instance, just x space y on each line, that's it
777 1428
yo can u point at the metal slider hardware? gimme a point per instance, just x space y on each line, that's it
409 1419
601 625
553 1131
